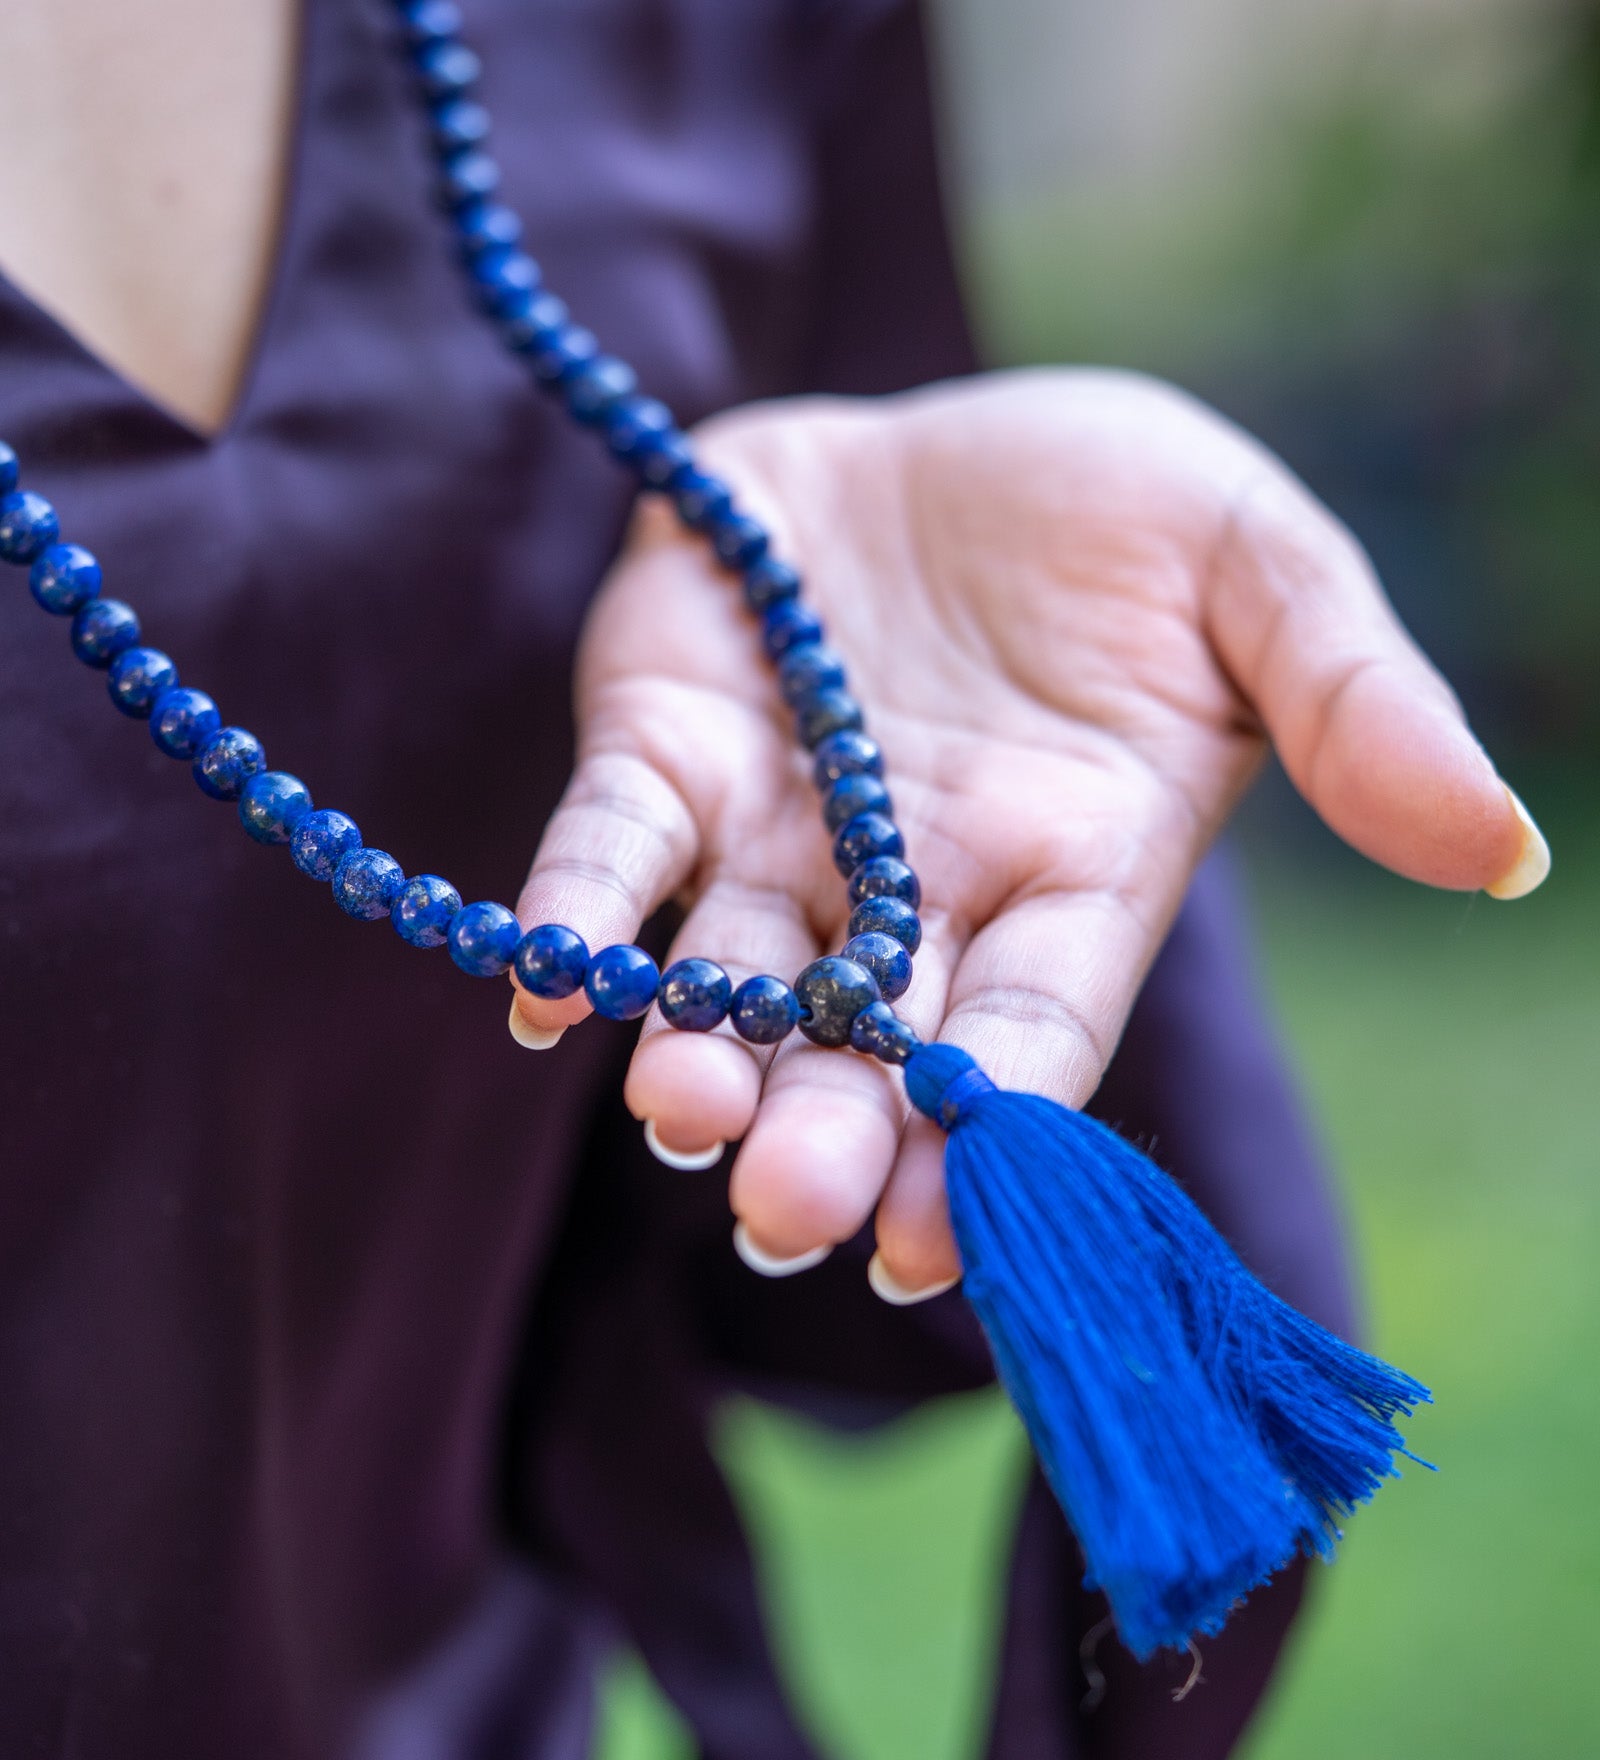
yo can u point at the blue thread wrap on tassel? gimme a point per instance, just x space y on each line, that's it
1197 1431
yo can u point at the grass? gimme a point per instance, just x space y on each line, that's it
1452 1048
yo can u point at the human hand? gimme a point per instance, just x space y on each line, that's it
1075 605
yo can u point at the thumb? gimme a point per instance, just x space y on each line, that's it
1368 731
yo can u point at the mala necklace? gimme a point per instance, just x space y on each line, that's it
1197 1431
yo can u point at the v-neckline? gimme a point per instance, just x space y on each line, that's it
285 232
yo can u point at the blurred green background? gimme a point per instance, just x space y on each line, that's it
1371 232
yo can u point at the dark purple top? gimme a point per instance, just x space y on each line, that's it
354 1365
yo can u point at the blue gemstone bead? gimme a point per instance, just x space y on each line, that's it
447 68
767 580
321 841
366 883
850 795
739 541
487 226
885 958
64 579
431 21
505 281
423 912
812 667
102 629
483 939
227 761
846 753
468 177
8 469
28 526
633 424
788 624
271 804
880 1033
621 982
832 991
885 877
863 837
694 995
535 327
764 1010
664 464
821 713
885 914
136 677
701 499
566 352
551 961
595 388
182 721
459 123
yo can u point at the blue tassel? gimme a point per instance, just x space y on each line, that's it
1197 1431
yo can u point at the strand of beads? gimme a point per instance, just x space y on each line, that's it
837 1000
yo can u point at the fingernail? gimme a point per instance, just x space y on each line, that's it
896 1294
1532 863
690 1160
530 1037
766 1264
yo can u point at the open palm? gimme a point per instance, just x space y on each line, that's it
1075 605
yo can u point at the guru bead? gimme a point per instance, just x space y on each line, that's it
423 912
885 877
137 677
271 804
764 1010
366 883
321 841
64 579
182 721
621 982
550 961
102 629
887 915
28 525
832 991
227 761
483 939
694 995
885 958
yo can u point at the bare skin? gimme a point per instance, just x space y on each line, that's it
1076 605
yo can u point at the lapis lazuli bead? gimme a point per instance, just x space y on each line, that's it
64 578
568 351
488 226
431 21
764 1010
468 177
621 982
885 958
701 499
227 761
849 752
885 877
102 629
767 580
505 280
885 914
880 1033
447 68
821 713
28 526
832 991
532 329
459 123
366 883
739 540
857 793
596 387
813 666
136 677
788 624
271 804
863 837
694 995
483 939
8 469
633 423
322 840
182 721
423 912
551 961
665 462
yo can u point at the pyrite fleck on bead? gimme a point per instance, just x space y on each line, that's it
831 992
694 995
